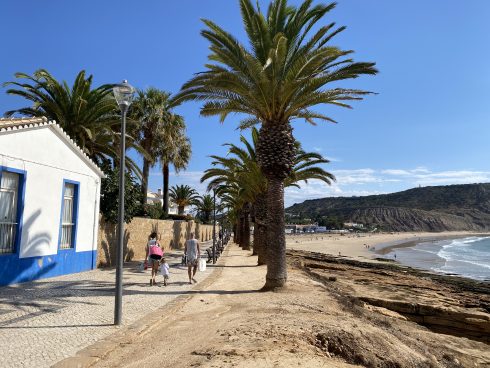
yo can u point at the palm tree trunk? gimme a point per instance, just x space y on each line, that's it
260 229
166 176
246 228
235 233
144 181
275 155
261 237
239 228
181 209
276 240
253 219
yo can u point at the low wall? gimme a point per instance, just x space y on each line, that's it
172 235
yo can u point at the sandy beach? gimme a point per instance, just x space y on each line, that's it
364 246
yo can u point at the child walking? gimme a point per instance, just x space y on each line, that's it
165 271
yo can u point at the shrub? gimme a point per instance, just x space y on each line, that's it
180 217
154 210
109 195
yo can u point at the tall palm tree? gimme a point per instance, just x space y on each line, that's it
240 168
281 76
88 115
174 149
182 196
205 206
150 112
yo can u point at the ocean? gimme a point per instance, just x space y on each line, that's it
468 257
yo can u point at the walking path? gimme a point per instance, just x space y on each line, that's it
225 322
45 321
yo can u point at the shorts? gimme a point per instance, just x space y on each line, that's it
192 262
153 261
166 277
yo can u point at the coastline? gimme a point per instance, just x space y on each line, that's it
356 245
376 247
387 248
429 253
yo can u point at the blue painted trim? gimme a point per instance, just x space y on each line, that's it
14 270
76 204
76 197
21 192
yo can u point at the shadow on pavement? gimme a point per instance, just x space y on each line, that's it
60 326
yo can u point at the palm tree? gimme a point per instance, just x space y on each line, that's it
182 196
89 116
232 202
205 206
150 111
232 178
281 76
241 170
174 149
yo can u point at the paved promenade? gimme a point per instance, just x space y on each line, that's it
45 321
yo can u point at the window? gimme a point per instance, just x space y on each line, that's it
68 215
9 189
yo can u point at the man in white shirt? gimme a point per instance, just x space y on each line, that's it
193 253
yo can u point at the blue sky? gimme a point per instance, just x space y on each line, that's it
428 125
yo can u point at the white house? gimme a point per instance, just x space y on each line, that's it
353 224
49 202
157 197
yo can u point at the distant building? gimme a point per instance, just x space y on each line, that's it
157 197
293 228
353 225
49 202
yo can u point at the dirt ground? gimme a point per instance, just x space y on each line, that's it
229 323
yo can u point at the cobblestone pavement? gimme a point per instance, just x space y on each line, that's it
45 321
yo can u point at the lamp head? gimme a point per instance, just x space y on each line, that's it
123 92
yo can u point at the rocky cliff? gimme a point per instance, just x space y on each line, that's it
438 208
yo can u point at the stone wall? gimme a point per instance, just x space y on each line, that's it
172 235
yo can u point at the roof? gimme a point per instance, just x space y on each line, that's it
14 124
153 195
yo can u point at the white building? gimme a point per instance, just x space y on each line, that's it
157 197
353 224
49 202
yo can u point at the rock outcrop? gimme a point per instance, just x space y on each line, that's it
444 304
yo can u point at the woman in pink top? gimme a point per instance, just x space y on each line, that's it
154 256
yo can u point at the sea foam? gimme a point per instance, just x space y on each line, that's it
468 257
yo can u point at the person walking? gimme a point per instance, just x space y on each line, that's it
154 253
165 271
193 253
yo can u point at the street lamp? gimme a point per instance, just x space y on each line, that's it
124 96
214 225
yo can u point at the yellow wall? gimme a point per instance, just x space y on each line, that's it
172 235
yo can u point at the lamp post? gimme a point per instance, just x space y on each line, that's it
214 226
124 96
